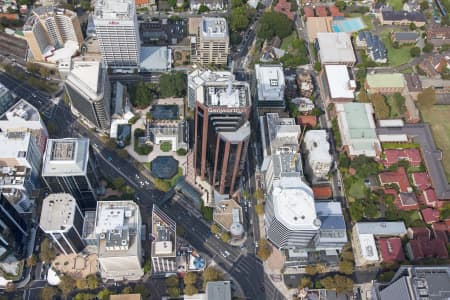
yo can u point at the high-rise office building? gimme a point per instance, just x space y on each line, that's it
164 244
118 33
222 133
209 40
118 228
270 87
89 91
62 220
69 168
20 165
50 28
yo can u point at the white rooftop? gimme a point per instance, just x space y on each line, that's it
58 211
85 75
66 157
270 82
199 77
317 145
114 9
339 82
293 203
22 110
335 47
14 145
282 133
214 27
368 247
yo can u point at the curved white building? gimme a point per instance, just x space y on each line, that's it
319 159
291 219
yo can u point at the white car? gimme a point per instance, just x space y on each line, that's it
227 253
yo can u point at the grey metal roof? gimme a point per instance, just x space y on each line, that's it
381 228
405 36
396 291
332 222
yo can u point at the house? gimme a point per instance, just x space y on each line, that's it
415 233
385 83
402 18
304 105
393 156
322 192
429 215
391 249
321 11
413 83
305 84
438 35
429 198
357 128
310 121
334 11
284 7
335 48
421 180
308 12
373 46
404 37
408 201
422 248
398 177
433 65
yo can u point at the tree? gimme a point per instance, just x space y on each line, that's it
236 3
225 237
104 294
344 161
211 274
81 284
424 5
141 289
273 24
346 267
92 281
258 195
259 209
190 290
180 230
173 292
190 278
264 250
328 283
238 19
172 3
47 253
305 282
141 96
414 52
317 66
172 85
347 255
362 96
48 293
340 4
356 210
344 284
311 270
118 183
202 9
181 152
172 281
426 98
412 26
215 229
127 290
364 166
380 106
31 261
67 284
428 47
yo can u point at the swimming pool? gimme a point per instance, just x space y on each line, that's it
348 25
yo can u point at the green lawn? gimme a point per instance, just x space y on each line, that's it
358 189
394 109
287 41
396 4
438 117
368 21
395 56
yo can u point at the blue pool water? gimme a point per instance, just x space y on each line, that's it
348 25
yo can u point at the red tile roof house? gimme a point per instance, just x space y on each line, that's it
430 199
308 11
421 180
441 231
307 120
322 192
392 156
422 248
334 11
415 233
398 177
284 7
429 215
391 249
321 11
